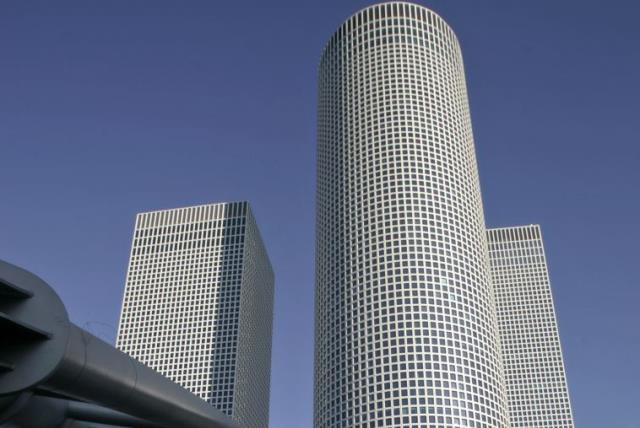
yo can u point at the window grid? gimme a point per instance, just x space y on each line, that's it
534 370
193 275
406 332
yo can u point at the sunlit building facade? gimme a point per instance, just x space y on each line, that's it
198 305
537 389
406 327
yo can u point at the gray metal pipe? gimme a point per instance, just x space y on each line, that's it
32 411
40 349
35 411
94 371
72 423
91 413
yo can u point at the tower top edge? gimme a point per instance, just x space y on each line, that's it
379 6
516 227
385 3
195 207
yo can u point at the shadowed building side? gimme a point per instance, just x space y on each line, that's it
253 365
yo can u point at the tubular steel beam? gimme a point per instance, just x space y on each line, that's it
50 353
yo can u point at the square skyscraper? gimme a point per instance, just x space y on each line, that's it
537 393
198 305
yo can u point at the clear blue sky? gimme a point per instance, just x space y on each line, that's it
109 108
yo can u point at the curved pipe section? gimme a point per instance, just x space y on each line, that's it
41 350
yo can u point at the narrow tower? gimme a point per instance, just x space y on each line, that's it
537 390
406 329
198 305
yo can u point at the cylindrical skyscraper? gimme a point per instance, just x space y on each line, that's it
406 332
